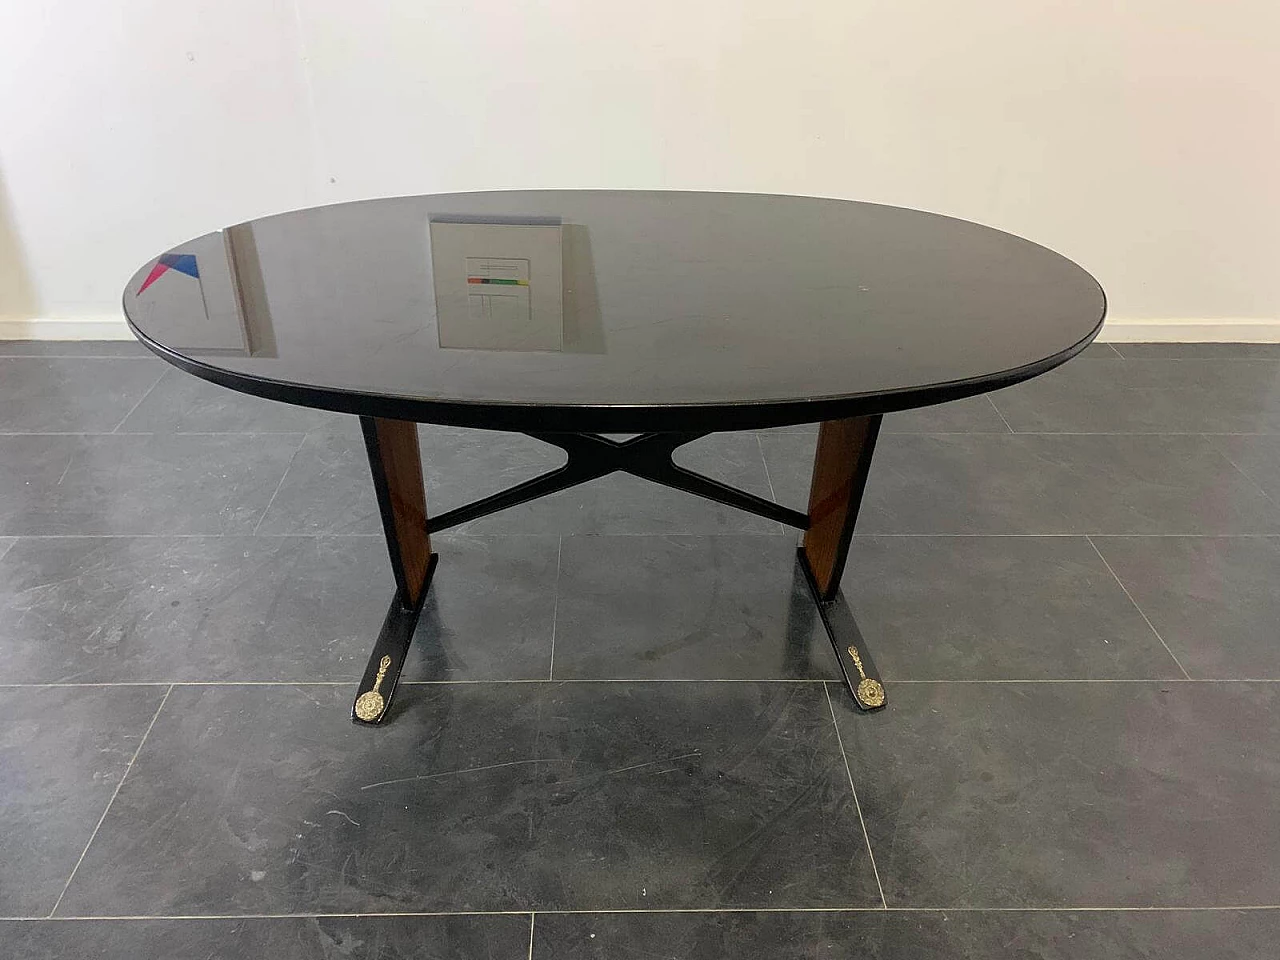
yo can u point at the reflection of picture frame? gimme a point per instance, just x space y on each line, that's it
497 285
224 311
225 331
252 309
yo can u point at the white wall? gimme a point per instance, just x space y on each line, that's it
1140 137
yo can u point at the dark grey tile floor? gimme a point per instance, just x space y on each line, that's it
620 734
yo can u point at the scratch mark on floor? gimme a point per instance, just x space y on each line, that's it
650 763
455 773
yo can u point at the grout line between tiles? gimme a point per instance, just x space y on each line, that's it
1101 680
276 916
149 433
555 611
141 398
532 920
1116 345
1048 536
655 534
146 355
1087 909
1179 433
114 794
1245 473
410 683
897 434
887 432
999 413
425 683
279 536
765 460
280 485
757 680
1151 625
906 909
768 479
826 689
1209 908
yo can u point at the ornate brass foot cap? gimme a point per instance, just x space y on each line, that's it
869 691
369 705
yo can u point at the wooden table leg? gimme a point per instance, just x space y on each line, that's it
396 465
840 470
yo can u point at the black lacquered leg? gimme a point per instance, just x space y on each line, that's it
670 475
647 456
373 704
859 670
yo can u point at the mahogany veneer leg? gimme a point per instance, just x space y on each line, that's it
840 470
396 466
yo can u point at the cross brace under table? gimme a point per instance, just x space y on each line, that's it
840 470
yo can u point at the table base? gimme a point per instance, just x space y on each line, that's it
841 465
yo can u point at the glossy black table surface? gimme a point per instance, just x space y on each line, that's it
571 314
669 310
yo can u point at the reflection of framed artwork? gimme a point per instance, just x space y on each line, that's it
498 286
220 308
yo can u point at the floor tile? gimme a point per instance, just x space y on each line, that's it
1258 458
972 415
1213 600
182 403
113 609
687 607
139 484
997 608
1197 351
482 796
39 395
1098 351
635 794
301 938
808 429
73 348
490 612
986 484
63 750
1148 396
328 489
1071 794
1161 935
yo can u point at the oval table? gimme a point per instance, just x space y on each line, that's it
568 315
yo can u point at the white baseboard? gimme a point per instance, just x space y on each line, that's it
108 327
1192 330
1196 330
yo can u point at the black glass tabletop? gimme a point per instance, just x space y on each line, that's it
613 310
